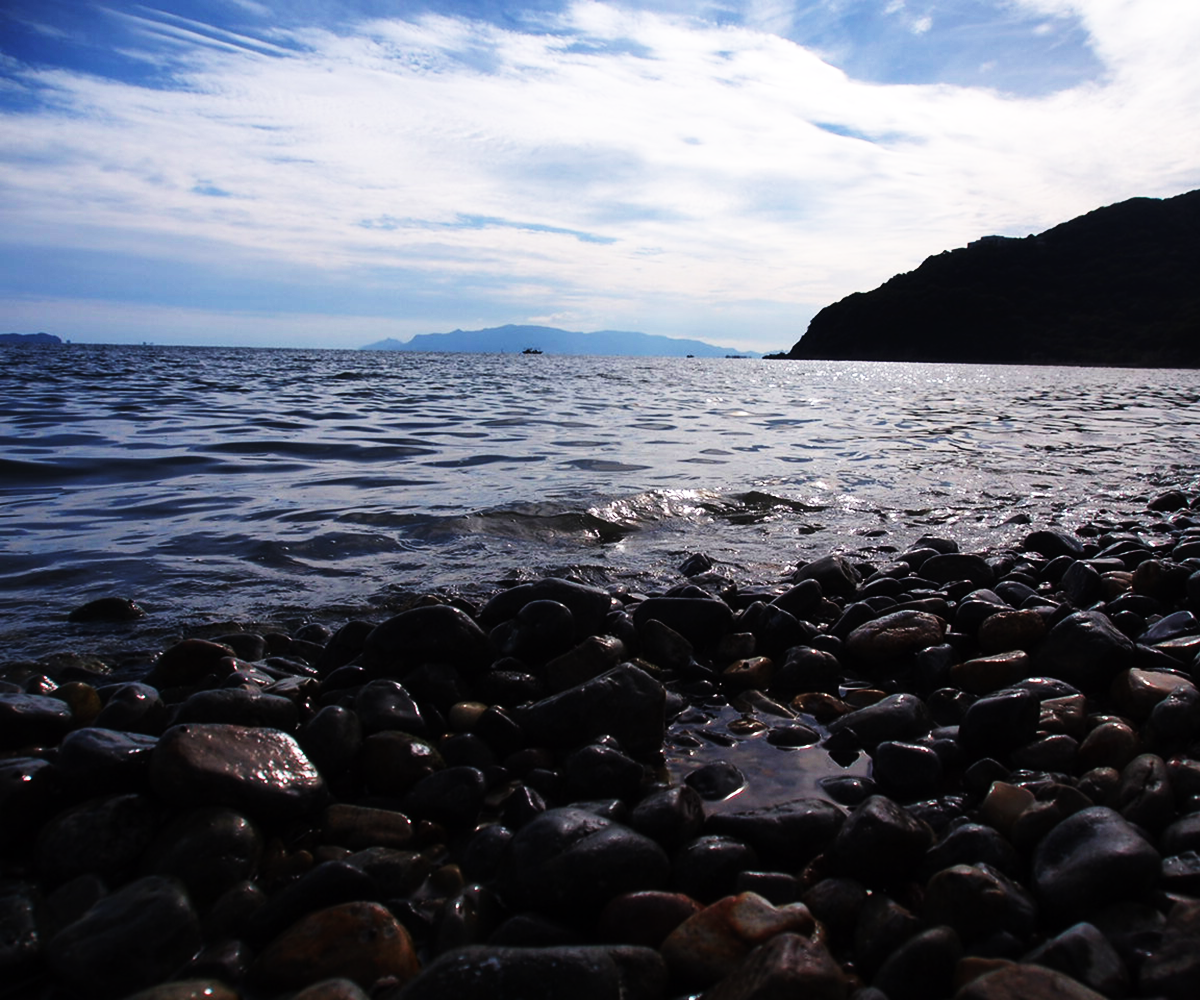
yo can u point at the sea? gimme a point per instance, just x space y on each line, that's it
233 485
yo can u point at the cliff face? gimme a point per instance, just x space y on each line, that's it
1118 286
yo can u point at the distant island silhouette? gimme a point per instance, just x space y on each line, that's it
515 339
30 339
1118 286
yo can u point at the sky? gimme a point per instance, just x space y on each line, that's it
327 173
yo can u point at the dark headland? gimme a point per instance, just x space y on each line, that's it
1117 286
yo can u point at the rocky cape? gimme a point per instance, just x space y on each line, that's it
551 340
1116 286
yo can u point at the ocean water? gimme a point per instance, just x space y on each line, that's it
238 485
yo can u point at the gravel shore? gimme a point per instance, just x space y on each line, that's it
927 774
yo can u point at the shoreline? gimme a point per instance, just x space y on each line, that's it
559 789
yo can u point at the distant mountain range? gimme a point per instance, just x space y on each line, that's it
1117 286
550 340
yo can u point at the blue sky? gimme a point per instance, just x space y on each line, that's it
331 172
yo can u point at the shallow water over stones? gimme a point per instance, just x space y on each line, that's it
865 782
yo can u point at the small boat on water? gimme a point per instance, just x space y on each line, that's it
531 350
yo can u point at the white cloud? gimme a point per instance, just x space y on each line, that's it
709 156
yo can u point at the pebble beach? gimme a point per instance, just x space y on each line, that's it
556 792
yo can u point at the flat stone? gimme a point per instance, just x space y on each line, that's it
262 772
1026 982
28 720
893 637
787 965
897 717
786 834
439 633
105 836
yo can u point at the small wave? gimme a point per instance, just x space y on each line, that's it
474 460
603 465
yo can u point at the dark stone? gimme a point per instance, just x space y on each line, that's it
540 630
568 863
971 844
385 704
883 925
132 939
328 884
1173 971
951 566
702 622
717 780
240 707
451 797
581 972
979 902
624 702
1083 953
671 816
189 662
802 599
881 840
107 609
836 575
1051 543
785 966
775 630
437 633
589 606
922 967
644 918
785 834
836 903
260 771
133 708
30 791
896 717
104 836
103 760
1091 859
1085 650
996 724
1081 584
209 850
332 739
1144 796
31 720
392 761
806 669
707 868
20 936
601 772
908 771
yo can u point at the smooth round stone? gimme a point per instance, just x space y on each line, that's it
793 734
883 925
189 662
104 836
393 762
590 658
394 873
787 965
1066 715
701 621
1182 835
995 724
881 840
948 567
589 606
601 772
1136 692
1081 584
1093 858
107 609
332 739
1084 649
30 792
971 844
542 629
104 760
922 967
133 708
896 717
662 645
330 883
1086 955
568 863
716 781
1051 752
707 947
893 637
775 630
580 972
451 797
671 816
1051 542
359 941
1112 743
978 902
644 918
835 574
82 699
806 669
385 704
836 903
28 720
907 770
753 673
1144 796
707 868
1025 982
439 633
207 849
625 702
1008 630
132 939
786 834
260 771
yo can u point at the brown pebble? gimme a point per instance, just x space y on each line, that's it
1025 982
985 674
358 827
358 941
1007 630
